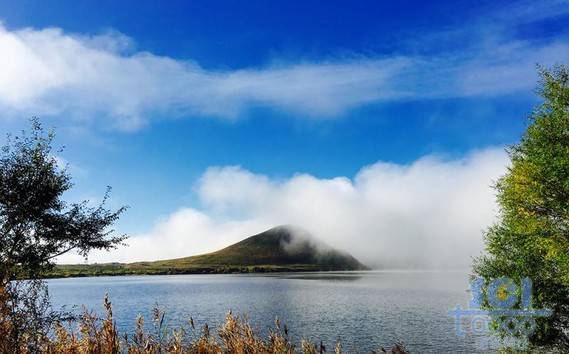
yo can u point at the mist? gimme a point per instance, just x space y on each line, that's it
429 214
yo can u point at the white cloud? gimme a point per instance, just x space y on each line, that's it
512 69
185 232
50 72
430 213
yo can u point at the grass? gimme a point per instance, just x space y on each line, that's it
100 336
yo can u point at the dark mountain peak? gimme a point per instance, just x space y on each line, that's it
278 235
285 247
285 244
282 248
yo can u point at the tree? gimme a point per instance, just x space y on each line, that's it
531 237
36 225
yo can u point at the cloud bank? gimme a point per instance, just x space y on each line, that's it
50 72
428 214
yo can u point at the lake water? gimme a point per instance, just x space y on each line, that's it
363 309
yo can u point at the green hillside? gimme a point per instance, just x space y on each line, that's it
283 248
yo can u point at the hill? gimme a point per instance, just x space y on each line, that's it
283 248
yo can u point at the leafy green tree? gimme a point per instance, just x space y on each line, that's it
36 225
531 238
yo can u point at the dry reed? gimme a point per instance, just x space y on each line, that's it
91 335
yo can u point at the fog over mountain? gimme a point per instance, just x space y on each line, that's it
428 214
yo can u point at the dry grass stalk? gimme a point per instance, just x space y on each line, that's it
100 336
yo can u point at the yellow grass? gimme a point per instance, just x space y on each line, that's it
100 336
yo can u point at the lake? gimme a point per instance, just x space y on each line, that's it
363 309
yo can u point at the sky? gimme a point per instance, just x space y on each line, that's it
377 126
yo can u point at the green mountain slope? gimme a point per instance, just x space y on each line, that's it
283 248
282 245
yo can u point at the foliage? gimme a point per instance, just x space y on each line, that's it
36 225
531 238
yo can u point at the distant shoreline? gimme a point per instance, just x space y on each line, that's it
62 274
114 269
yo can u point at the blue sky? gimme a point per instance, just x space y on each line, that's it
147 96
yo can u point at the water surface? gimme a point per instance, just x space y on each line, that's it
363 309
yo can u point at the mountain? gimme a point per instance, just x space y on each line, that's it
283 248
279 246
